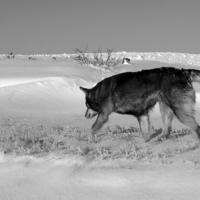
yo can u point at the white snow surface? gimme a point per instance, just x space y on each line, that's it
50 88
56 178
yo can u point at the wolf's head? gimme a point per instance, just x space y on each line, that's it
91 104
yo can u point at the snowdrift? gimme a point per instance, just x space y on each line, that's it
46 89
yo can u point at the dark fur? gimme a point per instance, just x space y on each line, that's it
136 93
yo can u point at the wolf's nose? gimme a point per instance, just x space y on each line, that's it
87 115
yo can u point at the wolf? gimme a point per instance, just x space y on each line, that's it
136 93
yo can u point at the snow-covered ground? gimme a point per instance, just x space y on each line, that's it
46 91
77 178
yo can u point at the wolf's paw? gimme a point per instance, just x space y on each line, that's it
154 134
161 138
93 139
147 139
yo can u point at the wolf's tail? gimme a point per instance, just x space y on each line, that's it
195 75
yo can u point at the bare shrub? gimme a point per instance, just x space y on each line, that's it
98 59
81 56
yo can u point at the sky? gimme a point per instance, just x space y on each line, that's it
60 26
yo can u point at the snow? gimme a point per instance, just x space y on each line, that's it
49 89
77 178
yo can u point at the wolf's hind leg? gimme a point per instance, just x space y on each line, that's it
185 115
167 117
100 121
145 126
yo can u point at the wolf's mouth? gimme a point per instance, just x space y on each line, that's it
90 113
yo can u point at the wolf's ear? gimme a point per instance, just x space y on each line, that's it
85 90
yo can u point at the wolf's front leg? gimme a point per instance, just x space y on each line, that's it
145 126
100 121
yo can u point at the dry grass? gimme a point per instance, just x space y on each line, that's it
114 142
98 59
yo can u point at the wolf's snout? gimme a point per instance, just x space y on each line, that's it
90 113
88 116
